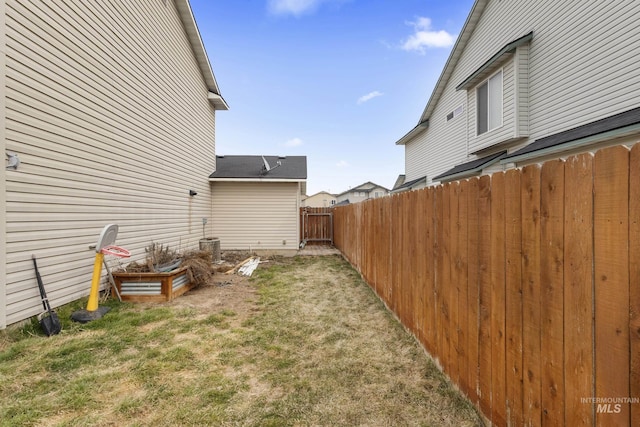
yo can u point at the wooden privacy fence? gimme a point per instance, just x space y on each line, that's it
316 225
524 285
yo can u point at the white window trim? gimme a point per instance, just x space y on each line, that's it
500 71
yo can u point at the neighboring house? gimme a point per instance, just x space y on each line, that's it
528 81
321 199
110 110
256 202
368 190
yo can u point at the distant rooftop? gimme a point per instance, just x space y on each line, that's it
253 167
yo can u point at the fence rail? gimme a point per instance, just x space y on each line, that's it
524 285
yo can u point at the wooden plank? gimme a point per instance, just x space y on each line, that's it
455 277
431 307
396 253
530 202
445 278
611 227
473 296
462 287
438 282
420 261
513 297
578 290
388 277
497 277
634 281
484 291
411 269
552 280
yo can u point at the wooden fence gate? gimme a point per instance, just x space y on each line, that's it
316 225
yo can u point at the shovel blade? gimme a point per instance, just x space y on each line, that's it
51 324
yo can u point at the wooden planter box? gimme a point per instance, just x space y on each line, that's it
152 287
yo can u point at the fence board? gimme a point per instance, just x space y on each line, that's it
412 244
421 238
445 278
462 285
454 283
513 298
552 280
473 290
438 283
611 215
578 290
530 200
634 281
484 292
429 262
497 266
524 285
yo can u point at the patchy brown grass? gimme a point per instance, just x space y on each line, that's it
304 342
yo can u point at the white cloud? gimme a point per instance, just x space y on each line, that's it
293 142
293 7
342 164
369 96
424 37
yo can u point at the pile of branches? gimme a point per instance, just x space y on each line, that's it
198 265
159 257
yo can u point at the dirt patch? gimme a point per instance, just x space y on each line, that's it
228 292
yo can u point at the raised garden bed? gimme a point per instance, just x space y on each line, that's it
152 287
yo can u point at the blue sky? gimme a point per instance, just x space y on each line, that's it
338 81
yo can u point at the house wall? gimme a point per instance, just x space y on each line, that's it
3 194
581 68
320 200
107 108
256 215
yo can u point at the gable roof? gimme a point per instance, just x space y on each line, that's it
251 168
366 187
191 28
461 43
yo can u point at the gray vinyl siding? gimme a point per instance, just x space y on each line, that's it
442 145
107 108
580 66
521 75
256 215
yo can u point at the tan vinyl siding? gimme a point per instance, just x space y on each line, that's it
3 172
256 215
108 110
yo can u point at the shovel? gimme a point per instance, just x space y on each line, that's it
49 319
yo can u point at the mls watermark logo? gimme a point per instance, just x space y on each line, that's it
609 405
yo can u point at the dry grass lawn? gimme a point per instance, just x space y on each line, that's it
304 342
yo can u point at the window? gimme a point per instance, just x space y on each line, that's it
489 103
